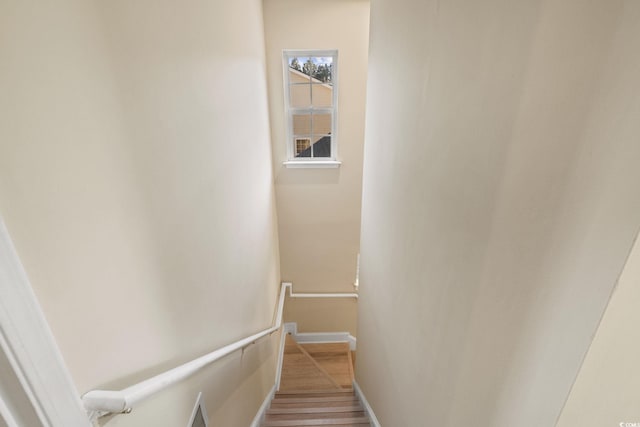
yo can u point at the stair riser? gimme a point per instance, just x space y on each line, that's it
351 402
330 415
319 422
321 410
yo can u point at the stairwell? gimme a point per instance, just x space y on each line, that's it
316 388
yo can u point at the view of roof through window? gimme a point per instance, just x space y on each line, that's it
318 67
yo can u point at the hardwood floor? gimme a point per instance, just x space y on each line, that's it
316 388
301 372
335 359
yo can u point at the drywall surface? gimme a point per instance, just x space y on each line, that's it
319 209
606 390
231 387
136 182
500 203
322 315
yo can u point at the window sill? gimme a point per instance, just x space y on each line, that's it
312 164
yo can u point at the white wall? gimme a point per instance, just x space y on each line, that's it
499 203
319 209
606 390
136 182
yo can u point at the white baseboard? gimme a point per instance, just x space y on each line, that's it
257 420
365 404
320 337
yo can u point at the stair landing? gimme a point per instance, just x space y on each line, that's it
314 367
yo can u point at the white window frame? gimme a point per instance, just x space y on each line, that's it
310 162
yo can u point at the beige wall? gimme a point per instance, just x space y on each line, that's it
500 202
606 390
319 209
323 315
136 182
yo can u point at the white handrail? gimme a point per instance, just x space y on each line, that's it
106 401
319 295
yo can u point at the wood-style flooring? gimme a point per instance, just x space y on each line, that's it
316 388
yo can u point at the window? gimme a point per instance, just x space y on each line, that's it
302 145
310 80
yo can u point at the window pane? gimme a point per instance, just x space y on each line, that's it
309 79
321 146
309 66
302 147
322 95
298 78
322 74
300 96
322 123
318 67
296 63
322 69
301 124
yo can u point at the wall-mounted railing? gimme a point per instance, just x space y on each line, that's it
319 295
100 402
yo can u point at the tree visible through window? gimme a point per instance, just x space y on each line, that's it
310 85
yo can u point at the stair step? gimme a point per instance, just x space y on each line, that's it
335 359
315 404
367 424
359 421
313 399
315 393
323 415
316 388
316 410
312 367
300 371
326 348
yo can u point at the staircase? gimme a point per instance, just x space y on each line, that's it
316 388
333 408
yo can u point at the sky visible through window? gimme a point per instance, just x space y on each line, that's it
315 59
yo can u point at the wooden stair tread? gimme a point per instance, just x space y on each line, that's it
316 410
316 388
364 424
313 416
320 348
335 359
311 397
314 403
367 424
300 371
319 422
315 393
